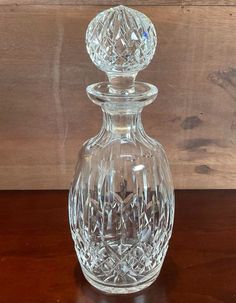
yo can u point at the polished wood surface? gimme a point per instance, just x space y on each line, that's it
38 262
45 115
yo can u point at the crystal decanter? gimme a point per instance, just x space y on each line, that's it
121 201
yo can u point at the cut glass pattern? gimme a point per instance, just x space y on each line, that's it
121 39
121 201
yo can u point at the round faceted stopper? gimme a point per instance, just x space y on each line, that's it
121 40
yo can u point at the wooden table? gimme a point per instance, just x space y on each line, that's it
38 261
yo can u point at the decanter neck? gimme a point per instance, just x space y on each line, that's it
122 123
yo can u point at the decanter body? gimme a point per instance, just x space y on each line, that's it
121 202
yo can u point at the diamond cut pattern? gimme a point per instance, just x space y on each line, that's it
121 39
111 260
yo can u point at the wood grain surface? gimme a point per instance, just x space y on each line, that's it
45 115
38 262
124 2
95 2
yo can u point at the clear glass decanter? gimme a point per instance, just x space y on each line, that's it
121 202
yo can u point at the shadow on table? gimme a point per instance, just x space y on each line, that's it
158 292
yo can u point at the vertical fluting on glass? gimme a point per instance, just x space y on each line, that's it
121 205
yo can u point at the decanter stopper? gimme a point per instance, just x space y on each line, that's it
121 41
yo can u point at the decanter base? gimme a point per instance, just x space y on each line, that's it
121 289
